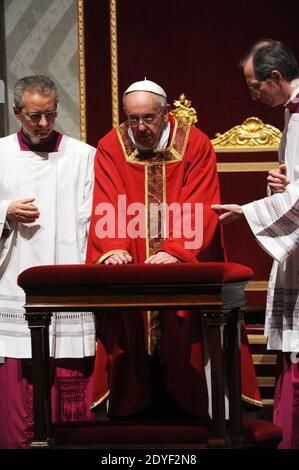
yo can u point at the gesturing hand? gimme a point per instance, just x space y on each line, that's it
23 210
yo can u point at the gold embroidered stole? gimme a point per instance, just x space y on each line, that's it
155 193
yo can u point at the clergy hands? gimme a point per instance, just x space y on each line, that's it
23 211
161 258
277 179
119 258
230 212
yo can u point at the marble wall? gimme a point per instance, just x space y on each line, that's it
41 38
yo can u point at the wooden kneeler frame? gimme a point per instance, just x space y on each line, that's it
215 290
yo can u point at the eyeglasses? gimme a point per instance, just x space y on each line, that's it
147 119
36 117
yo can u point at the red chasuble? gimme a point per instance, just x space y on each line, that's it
128 183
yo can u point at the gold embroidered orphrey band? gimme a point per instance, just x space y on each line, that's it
114 62
82 83
82 69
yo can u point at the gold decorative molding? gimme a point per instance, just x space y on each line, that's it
257 286
266 381
228 167
251 136
257 339
82 83
264 359
183 110
114 63
267 401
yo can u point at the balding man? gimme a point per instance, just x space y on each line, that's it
272 75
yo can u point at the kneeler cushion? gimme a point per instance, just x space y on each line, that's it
184 273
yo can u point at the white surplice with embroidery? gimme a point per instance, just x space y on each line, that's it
61 183
274 221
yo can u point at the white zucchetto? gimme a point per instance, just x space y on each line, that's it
146 85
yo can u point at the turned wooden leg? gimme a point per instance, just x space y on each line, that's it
233 361
39 328
216 320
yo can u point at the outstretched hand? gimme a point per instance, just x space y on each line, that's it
228 212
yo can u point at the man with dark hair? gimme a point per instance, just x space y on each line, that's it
268 55
45 203
272 75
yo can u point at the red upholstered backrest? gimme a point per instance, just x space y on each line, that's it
185 273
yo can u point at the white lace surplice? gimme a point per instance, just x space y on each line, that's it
275 223
61 183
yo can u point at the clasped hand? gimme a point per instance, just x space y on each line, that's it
277 179
23 210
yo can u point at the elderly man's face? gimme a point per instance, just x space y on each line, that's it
146 118
38 114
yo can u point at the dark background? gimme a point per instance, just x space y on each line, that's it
189 46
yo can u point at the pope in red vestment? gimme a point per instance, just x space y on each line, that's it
152 160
